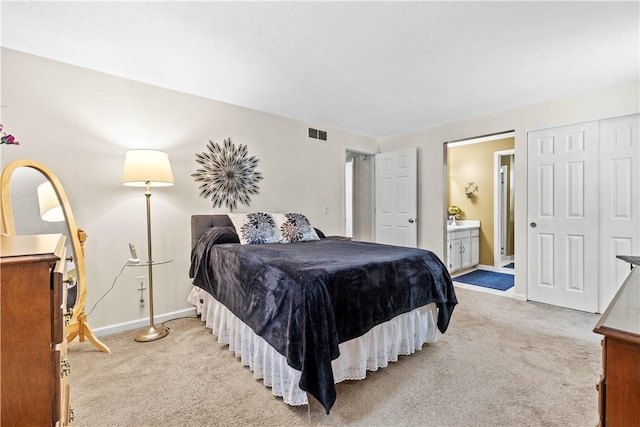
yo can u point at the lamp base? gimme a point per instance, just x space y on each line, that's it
151 333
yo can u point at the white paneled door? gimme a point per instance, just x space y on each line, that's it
584 203
619 201
563 216
396 198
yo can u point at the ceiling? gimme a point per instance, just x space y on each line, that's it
374 68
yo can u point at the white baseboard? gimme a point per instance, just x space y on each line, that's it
521 297
488 268
141 323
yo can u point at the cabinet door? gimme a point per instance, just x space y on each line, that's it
465 252
455 257
475 247
448 264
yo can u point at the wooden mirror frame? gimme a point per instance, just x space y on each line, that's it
77 322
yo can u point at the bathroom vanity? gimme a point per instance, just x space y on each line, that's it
463 243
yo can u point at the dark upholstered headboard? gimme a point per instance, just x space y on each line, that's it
200 224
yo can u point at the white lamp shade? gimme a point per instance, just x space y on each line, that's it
142 166
50 209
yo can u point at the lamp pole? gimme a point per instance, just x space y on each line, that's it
153 332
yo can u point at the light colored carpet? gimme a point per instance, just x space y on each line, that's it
502 362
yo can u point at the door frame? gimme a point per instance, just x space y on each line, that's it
445 171
349 199
344 186
497 232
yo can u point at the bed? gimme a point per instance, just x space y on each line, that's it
308 314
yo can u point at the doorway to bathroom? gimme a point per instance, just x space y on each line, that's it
480 183
504 202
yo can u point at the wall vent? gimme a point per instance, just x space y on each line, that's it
317 134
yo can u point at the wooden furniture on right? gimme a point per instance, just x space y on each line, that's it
33 346
619 386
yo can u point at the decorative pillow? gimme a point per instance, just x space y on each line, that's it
295 227
255 228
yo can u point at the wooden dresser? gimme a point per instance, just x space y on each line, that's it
33 363
619 387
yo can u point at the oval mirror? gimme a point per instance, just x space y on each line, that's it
34 202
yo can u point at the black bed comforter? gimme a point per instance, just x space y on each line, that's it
305 298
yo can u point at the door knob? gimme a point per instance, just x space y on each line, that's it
533 225
411 220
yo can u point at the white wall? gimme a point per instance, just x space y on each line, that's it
621 99
80 123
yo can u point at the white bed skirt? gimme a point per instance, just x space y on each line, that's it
402 335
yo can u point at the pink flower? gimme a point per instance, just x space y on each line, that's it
7 139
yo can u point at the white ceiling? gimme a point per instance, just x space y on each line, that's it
374 68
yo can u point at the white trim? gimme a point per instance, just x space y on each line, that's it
488 268
359 151
349 196
520 297
141 323
373 181
510 134
593 118
497 256
508 293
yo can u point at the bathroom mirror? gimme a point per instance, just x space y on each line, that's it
34 202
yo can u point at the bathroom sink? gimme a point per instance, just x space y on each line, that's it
459 227
463 225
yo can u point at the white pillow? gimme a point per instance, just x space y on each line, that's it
295 227
256 228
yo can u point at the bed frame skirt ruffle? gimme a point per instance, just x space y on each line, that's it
402 335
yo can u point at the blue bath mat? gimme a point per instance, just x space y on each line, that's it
487 279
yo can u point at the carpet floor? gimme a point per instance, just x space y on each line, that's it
502 362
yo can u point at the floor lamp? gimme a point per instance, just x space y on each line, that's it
148 168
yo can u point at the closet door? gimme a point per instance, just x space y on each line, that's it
563 216
619 201
584 210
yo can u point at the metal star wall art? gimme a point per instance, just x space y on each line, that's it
227 174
